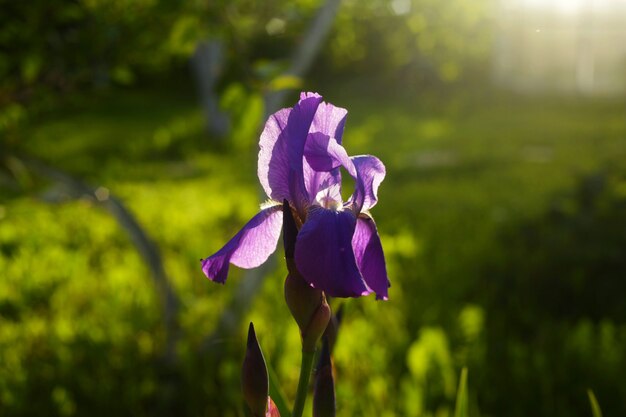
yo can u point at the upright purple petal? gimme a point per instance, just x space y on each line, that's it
323 156
370 173
323 186
324 253
324 153
369 255
249 248
329 120
298 126
273 169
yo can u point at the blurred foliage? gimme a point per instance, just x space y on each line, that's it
559 293
461 407
494 263
502 217
422 41
50 49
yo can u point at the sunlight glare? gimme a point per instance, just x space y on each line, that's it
572 7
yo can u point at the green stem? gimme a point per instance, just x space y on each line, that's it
303 383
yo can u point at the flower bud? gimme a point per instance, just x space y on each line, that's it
308 307
272 410
332 329
324 386
316 326
302 299
254 377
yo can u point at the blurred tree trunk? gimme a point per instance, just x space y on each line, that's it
305 54
207 65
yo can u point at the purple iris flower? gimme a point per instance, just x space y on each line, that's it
337 249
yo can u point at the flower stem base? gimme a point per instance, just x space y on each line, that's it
303 384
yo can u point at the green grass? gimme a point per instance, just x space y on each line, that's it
77 305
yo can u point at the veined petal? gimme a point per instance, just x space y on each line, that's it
273 169
282 171
323 186
324 153
370 173
369 256
298 126
323 156
249 248
329 120
324 253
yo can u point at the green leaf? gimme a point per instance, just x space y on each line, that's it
461 409
595 407
285 82
276 393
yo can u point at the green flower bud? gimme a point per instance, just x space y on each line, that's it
308 307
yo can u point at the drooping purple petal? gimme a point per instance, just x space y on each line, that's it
324 253
369 256
273 169
370 173
250 247
329 120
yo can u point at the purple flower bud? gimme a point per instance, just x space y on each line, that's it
308 307
254 377
324 388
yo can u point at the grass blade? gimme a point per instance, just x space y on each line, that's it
461 409
595 407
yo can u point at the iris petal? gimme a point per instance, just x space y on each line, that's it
298 127
324 253
250 247
369 256
281 151
324 153
273 169
370 173
329 120
322 158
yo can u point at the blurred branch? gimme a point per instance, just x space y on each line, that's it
305 54
145 246
207 64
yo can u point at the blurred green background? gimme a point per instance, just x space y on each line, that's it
128 140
